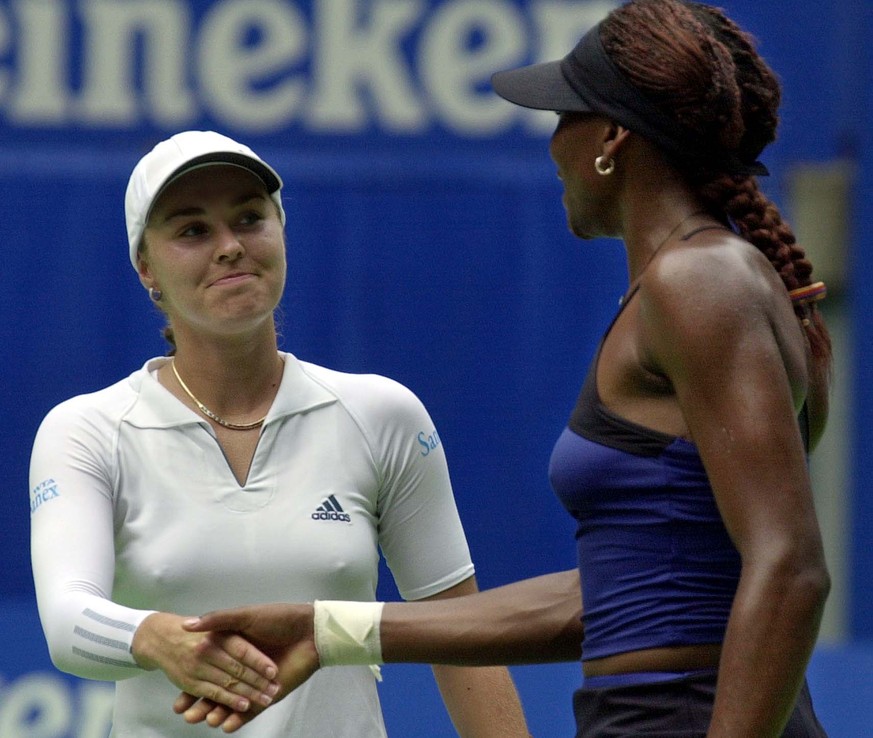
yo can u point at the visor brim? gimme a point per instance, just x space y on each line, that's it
539 87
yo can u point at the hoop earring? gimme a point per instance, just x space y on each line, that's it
155 295
604 169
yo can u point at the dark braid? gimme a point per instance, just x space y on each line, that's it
706 74
758 221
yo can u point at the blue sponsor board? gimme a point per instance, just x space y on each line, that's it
426 237
103 70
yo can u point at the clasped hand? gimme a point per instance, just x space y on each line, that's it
281 634
224 668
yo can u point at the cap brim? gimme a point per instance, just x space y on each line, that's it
269 177
540 87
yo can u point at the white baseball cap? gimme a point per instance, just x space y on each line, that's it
180 154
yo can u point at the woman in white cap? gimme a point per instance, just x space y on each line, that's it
230 473
684 460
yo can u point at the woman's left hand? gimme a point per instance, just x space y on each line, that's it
284 632
223 667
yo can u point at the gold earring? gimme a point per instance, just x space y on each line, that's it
603 167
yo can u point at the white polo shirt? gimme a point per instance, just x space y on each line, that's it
134 509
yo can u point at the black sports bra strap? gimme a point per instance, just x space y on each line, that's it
709 227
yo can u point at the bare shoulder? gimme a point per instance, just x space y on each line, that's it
717 298
717 273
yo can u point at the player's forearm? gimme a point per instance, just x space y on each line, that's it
482 701
532 621
89 636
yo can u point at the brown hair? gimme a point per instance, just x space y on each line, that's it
702 70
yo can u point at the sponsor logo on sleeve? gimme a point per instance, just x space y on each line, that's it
428 442
43 492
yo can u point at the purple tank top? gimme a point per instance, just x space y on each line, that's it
656 562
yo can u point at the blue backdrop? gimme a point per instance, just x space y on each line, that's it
426 235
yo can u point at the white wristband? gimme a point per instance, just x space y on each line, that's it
347 633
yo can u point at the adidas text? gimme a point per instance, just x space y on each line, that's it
344 517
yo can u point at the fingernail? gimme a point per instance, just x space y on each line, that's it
191 621
272 689
271 672
243 705
266 700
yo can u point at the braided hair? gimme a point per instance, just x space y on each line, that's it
701 69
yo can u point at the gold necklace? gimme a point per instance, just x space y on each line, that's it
208 413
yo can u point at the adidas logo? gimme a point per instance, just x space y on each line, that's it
330 509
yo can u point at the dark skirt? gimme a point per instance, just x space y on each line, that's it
676 708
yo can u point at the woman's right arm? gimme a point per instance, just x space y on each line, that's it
535 620
73 559
73 550
532 621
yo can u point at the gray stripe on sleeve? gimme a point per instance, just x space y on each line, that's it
102 659
103 620
99 639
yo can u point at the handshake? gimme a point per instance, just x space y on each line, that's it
231 665
288 644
